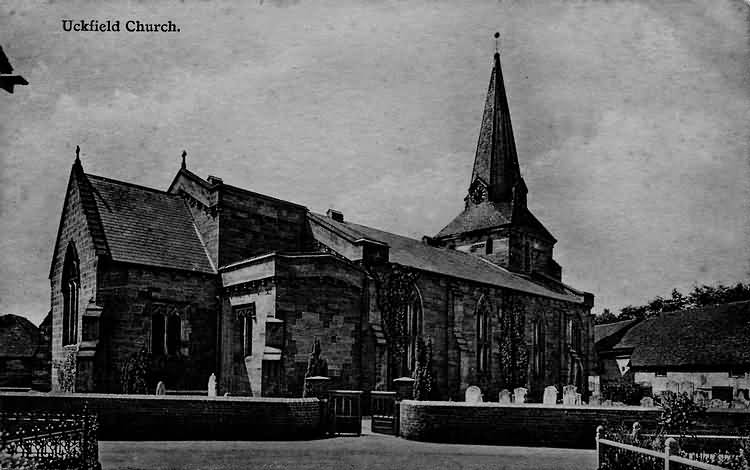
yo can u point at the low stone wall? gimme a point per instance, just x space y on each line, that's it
150 417
535 424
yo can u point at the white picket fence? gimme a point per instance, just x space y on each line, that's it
667 456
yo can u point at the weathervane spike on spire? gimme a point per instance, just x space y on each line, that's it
78 154
184 154
497 42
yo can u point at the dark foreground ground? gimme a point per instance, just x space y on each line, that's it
369 451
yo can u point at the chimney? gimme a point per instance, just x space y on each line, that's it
335 215
214 180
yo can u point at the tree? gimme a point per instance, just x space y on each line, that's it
700 296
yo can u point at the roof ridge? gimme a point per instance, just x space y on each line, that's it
132 185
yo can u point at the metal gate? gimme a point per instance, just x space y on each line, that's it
383 409
347 411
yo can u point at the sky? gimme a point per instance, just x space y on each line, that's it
630 117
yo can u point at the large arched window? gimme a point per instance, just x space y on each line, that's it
413 331
71 286
483 337
174 334
537 346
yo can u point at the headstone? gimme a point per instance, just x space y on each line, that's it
212 385
618 403
716 403
647 402
473 395
687 387
161 389
569 395
607 403
519 395
550 395
504 397
673 386
578 399
595 400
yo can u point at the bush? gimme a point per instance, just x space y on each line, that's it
679 413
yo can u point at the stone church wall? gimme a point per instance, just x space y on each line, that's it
73 229
252 225
130 296
321 297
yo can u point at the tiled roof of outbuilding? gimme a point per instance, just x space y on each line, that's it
416 254
147 226
709 336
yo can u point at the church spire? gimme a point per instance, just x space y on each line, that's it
496 161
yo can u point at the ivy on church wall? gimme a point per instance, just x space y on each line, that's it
394 288
512 351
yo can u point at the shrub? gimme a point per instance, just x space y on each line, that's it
679 413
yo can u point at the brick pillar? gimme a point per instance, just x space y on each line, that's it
316 387
404 388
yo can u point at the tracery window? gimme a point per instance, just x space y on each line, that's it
483 337
537 346
71 286
413 331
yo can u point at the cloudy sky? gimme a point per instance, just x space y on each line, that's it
631 119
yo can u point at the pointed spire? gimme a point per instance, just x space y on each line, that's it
496 161
78 154
184 154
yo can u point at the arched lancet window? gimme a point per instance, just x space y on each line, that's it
174 335
413 331
537 346
483 337
71 286
158 328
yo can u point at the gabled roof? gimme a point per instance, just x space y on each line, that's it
416 254
18 336
706 337
147 226
602 332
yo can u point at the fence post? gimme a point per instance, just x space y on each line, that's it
669 446
599 435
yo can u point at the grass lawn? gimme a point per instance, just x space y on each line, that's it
369 451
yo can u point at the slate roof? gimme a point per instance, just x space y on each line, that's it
416 254
18 336
709 336
488 214
146 226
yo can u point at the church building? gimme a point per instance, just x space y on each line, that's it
207 278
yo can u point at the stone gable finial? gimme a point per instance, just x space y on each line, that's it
184 154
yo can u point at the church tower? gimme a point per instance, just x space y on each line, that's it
496 223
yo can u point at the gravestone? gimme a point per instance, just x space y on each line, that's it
687 387
594 400
504 397
717 403
519 395
473 395
618 403
569 395
212 385
647 402
578 400
607 403
161 389
550 395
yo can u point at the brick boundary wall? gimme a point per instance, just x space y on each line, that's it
150 417
537 424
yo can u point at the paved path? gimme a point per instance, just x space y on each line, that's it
369 451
